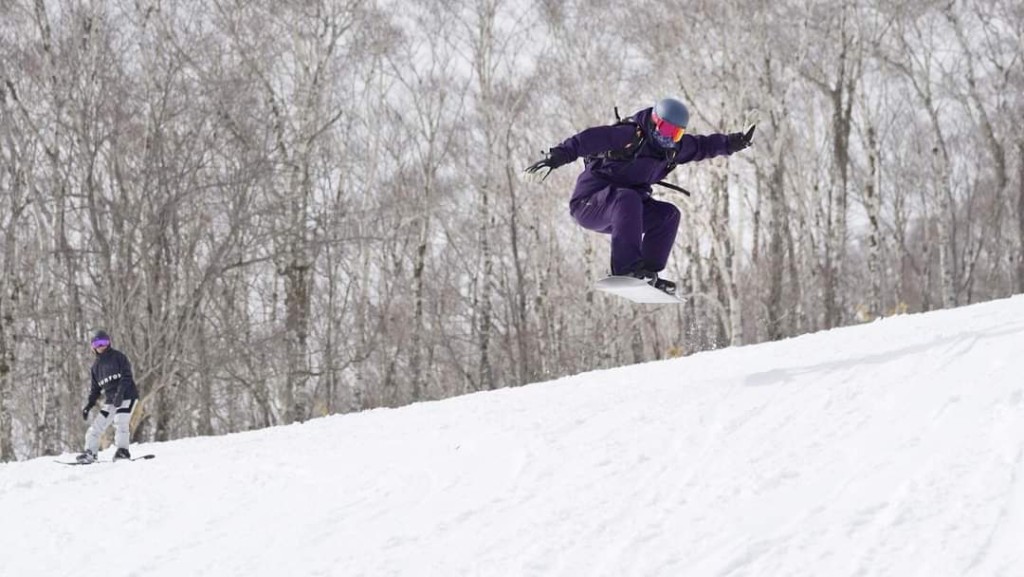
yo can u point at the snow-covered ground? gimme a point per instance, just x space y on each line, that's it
894 448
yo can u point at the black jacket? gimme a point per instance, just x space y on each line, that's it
112 374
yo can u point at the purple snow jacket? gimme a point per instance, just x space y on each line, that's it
650 165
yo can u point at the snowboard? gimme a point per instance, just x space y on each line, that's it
636 290
139 458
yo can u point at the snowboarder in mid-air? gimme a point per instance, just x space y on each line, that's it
623 161
111 375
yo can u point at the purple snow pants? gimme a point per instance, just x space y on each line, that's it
642 229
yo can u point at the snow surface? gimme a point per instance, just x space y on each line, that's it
893 448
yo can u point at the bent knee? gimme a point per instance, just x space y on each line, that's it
668 212
674 214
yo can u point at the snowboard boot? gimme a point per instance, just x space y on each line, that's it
122 454
86 458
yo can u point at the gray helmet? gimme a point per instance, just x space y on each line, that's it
672 111
668 122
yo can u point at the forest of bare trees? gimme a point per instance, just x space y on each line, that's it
285 209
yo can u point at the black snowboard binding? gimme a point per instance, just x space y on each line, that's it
122 454
665 286
651 277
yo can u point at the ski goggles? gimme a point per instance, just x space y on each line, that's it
666 128
97 343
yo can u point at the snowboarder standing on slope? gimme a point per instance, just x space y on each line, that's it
613 194
111 374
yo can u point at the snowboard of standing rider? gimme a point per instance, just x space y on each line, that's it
112 379
622 162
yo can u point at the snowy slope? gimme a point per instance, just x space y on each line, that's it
895 448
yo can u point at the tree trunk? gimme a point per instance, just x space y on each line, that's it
1020 216
417 369
842 104
776 247
8 355
206 369
873 203
636 337
485 323
7 360
524 363
294 403
947 260
727 266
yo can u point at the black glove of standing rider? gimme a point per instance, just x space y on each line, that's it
740 140
85 412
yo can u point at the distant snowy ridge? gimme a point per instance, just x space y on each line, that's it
891 448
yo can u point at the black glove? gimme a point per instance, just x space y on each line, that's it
85 412
739 140
540 170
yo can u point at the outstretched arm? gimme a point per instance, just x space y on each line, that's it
699 147
591 141
694 147
597 140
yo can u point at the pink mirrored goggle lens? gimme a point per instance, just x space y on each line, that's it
667 129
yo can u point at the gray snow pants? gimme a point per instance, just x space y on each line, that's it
120 417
